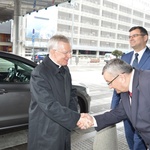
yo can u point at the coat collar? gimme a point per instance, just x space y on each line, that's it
54 68
50 65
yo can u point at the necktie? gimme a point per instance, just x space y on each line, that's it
135 61
130 94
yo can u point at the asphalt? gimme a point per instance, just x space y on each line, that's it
85 141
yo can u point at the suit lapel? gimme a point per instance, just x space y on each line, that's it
144 58
126 103
128 57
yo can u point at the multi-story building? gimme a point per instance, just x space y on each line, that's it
93 26
98 26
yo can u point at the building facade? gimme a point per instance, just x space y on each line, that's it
93 26
101 25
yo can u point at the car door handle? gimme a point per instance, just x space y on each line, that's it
2 91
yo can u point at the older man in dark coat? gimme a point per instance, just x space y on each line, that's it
53 108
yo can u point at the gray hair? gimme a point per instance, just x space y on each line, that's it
117 66
54 41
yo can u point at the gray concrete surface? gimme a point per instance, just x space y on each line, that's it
106 139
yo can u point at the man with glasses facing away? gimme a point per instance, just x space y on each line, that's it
121 76
139 58
53 108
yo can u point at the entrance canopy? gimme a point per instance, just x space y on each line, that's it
8 7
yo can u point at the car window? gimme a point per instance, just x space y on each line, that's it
4 65
13 71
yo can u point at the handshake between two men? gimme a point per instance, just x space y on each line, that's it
86 121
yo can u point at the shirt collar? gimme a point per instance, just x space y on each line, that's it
131 81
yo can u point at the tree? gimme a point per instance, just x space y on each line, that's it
117 53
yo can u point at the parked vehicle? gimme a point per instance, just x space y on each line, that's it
39 56
15 74
108 56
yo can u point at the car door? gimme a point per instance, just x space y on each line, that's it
14 92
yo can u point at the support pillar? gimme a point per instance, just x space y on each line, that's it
106 139
17 23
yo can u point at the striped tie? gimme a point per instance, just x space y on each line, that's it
135 61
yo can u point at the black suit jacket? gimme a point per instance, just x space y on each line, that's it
138 112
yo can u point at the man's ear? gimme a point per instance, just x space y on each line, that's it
145 38
122 78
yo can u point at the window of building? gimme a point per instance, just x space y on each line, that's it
87 52
107 44
125 9
122 37
108 34
123 27
64 16
110 4
63 28
147 17
86 42
90 21
147 25
124 19
94 1
89 32
122 46
108 24
109 14
137 22
90 10
137 13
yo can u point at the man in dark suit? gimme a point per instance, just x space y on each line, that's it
138 38
53 108
134 106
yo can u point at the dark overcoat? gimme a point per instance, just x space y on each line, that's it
53 108
138 112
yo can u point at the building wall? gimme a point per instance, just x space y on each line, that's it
101 25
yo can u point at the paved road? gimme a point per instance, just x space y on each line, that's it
100 95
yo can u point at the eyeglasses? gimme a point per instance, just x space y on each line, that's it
135 35
114 79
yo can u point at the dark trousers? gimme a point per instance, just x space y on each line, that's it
134 141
